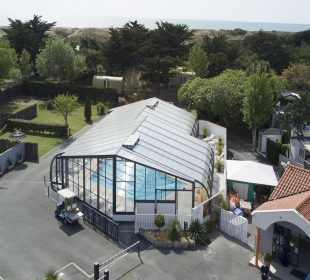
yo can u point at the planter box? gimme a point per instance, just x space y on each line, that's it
182 244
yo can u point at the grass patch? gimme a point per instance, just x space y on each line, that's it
12 107
47 142
76 121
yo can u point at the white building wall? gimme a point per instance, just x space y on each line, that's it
266 240
274 138
148 208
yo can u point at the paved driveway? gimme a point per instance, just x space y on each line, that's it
31 239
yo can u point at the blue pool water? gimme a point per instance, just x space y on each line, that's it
145 181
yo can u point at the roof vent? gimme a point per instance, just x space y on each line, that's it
152 104
132 141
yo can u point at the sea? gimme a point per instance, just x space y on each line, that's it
193 24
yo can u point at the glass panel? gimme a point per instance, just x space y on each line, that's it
109 168
150 184
184 185
160 180
120 170
140 182
170 182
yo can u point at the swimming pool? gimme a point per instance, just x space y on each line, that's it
148 181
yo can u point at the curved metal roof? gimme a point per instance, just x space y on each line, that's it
163 140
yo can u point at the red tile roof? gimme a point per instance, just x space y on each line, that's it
294 180
299 202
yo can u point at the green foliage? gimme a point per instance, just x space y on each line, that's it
51 275
197 231
8 61
59 61
219 149
297 76
267 257
29 35
274 150
220 141
159 221
269 47
87 109
102 108
198 61
48 90
36 127
174 230
204 132
24 65
133 83
223 203
64 105
296 114
219 165
258 101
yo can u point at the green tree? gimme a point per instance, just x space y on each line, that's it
258 101
29 35
24 65
65 105
58 60
8 61
198 61
296 114
269 47
298 76
87 109
133 84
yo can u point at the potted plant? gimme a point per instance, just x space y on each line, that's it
204 132
219 165
10 164
267 259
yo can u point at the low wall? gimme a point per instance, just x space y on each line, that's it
12 155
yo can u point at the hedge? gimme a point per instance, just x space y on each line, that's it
6 144
35 127
50 90
7 94
274 150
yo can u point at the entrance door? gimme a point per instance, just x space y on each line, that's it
293 247
304 254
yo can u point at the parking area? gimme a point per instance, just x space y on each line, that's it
31 238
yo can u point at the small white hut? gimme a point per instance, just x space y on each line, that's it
108 82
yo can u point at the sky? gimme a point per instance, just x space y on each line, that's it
98 13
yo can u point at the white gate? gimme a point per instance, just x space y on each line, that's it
234 226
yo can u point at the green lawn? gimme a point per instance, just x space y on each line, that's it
76 120
47 142
12 107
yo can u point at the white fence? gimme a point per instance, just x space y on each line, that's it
146 221
234 226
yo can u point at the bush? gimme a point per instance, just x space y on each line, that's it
49 105
220 141
174 230
219 149
274 150
197 231
51 275
50 90
219 165
224 204
159 221
35 127
267 257
205 132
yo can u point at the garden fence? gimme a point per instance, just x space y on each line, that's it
146 221
235 226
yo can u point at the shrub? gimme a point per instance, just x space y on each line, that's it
267 257
219 149
205 132
35 127
224 204
219 165
220 141
49 105
159 221
174 230
274 150
51 275
87 109
197 231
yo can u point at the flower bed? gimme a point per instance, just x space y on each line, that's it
160 239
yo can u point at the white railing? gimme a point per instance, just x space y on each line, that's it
146 221
235 226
